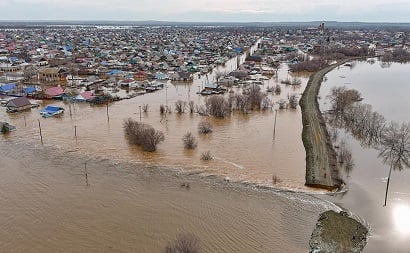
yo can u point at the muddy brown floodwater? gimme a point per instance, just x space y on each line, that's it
47 207
242 145
134 202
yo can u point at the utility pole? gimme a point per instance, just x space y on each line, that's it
274 124
86 174
140 113
108 116
41 136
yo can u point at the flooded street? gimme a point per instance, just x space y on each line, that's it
242 145
385 89
134 201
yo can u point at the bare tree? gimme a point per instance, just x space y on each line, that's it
142 135
342 97
395 149
219 75
241 102
189 141
218 106
255 97
184 243
201 110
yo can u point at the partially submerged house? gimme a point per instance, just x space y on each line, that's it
85 96
8 89
52 75
18 104
54 92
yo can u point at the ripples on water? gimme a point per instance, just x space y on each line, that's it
46 207
135 202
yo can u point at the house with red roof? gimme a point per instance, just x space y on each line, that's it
54 92
85 96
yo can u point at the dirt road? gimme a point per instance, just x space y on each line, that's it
321 162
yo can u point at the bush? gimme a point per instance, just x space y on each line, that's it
293 101
206 156
162 109
191 106
204 127
180 106
278 89
142 135
189 141
184 243
275 179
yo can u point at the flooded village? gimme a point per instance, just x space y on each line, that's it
187 132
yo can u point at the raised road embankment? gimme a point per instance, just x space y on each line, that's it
321 158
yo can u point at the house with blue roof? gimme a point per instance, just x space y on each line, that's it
8 88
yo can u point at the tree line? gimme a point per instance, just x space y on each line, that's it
392 140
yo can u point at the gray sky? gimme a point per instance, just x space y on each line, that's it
208 10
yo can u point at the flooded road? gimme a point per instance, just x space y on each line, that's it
129 207
386 90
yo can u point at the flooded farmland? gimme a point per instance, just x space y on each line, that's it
385 88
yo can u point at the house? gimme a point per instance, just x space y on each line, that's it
140 75
85 96
161 76
18 104
181 76
54 92
8 88
41 61
240 74
129 83
52 75
30 90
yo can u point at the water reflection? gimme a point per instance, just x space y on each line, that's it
391 224
401 218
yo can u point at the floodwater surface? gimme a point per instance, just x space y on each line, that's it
243 145
134 201
129 207
386 88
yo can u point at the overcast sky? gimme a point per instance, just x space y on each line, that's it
208 10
